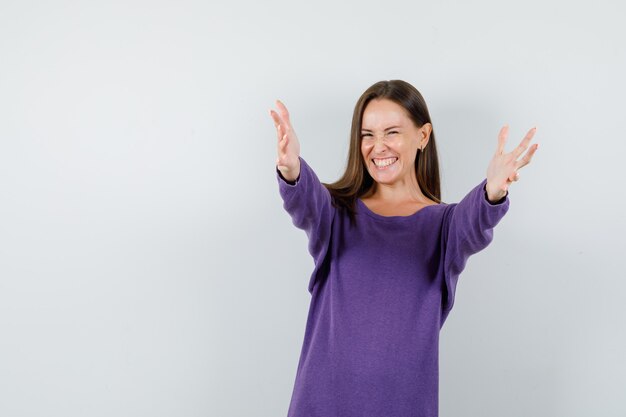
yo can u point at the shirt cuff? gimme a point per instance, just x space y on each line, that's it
501 201
292 183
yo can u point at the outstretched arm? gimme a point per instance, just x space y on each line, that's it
305 198
468 226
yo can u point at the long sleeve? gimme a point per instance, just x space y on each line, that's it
308 202
467 229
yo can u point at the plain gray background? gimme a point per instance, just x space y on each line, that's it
147 267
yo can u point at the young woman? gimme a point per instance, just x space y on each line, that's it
387 254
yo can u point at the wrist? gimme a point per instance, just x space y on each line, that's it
494 197
290 179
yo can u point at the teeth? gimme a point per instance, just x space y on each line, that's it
384 162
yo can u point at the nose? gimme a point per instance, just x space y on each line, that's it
380 142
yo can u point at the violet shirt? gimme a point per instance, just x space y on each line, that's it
380 293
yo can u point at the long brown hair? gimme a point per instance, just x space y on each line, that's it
356 181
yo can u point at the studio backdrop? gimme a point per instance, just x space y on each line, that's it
148 268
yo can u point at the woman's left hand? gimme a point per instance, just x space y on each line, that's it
502 170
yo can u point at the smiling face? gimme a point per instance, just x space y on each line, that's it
389 141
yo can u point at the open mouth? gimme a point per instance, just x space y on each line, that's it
384 163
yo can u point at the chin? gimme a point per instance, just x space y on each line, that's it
383 179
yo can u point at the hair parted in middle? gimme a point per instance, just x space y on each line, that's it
356 180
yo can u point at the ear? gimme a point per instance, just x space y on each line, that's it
425 132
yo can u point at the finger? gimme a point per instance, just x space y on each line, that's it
278 124
504 131
279 131
283 146
274 117
282 149
524 143
284 113
528 157
283 140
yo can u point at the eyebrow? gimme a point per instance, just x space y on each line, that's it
392 127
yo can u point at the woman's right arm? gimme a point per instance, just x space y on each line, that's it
305 198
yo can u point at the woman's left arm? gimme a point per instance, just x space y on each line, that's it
468 226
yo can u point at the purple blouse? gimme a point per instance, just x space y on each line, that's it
380 292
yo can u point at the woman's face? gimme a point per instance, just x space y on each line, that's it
390 140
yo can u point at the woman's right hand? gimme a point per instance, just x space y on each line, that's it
288 162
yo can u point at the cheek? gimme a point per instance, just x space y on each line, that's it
364 149
403 146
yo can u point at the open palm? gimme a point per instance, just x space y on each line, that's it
502 170
287 162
